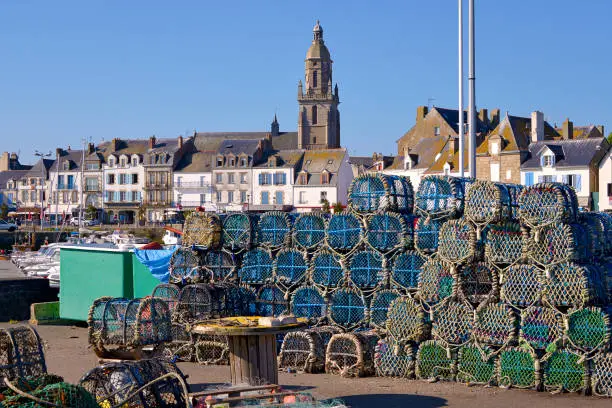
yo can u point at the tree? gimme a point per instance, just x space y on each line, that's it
610 137
325 206
4 210
91 212
338 208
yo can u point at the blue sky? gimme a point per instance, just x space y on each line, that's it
131 69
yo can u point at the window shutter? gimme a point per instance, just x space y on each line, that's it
260 179
284 178
578 185
609 189
542 161
529 179
275 178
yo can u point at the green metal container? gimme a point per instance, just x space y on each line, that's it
90 273
144 281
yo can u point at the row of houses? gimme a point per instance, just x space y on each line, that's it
510 149
155 178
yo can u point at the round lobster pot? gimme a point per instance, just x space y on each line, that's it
220 264
326 270
588 329
181 346
435 360
239 230
379 306
240 301
540 326
390 360
167 292
381 192
366 269
45 390
487 202
595 231
290 267
112 383
406 321
558 243
305 350
517 367
309 231
344 231
436 282
478 282
184 265
441 197
521 285
407 269
274 229
563 371
601 375
257 267
347 308
195 303
475 365
426 235
351 354
202 230
271 301
503 243
212 351
606 225
307 301
453 323
495 325
21 353
457 242
569 284
128 322
386 232
547 204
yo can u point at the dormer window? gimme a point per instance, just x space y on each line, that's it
548 160
446 169
494 148
325 177
243 162
437 130
220 161
123 162
303 179
111 161
232 162
66 166
134 161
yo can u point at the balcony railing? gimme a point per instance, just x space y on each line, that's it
92 188
157 185
192 184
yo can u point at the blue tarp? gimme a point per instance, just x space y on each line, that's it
157 261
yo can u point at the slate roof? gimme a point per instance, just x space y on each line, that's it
36 170
238 146
283 141
196 162
451 116
5 176
568 153
425 152
286 159
73 157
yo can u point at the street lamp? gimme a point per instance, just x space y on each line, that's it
42 184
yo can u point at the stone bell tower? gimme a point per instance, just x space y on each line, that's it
318 117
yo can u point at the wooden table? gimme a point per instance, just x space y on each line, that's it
252 348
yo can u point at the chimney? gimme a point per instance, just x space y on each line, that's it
601 130
180 142
537 126
421 113
58 152
114 144
483 115
90 148
568 129
495 117
152 142
4 162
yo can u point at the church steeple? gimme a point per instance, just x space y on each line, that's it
319 119
274 127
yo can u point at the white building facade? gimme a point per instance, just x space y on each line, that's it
124 179
605 182
193 190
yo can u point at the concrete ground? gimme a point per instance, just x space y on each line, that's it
67 354
9 271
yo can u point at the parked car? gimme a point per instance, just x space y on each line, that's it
86 222
7 226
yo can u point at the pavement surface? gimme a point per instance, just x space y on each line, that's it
68 355
9 271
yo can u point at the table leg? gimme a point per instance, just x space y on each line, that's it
253 359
